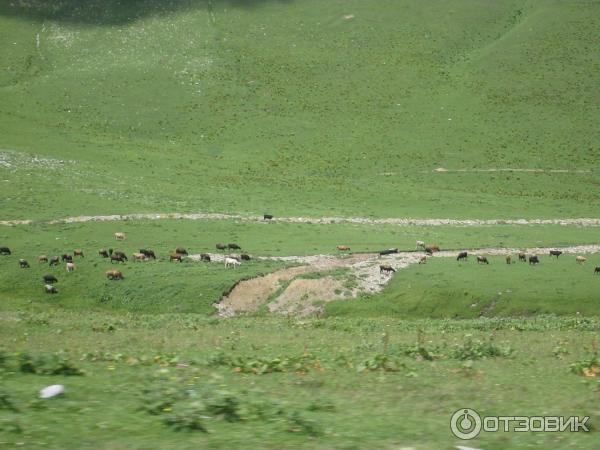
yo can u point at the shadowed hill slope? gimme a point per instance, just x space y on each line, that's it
319 108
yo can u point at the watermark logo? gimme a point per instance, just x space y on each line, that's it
467 423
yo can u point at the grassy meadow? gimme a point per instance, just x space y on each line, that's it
298 107
387 108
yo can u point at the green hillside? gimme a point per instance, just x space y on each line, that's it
299 107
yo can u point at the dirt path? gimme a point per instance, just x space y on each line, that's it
589 222
304 296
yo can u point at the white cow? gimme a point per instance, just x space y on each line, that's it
70 267
420 244
231 262
119 236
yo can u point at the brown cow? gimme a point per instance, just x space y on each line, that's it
423 260
386 268
343 248
430 249
114 275
181 251
175 257
522 256
508 259
42 259
482 260
78 252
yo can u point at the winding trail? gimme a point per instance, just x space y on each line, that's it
400 221
289 292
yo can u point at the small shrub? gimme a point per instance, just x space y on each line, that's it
380 362
477 349
297 423
589 367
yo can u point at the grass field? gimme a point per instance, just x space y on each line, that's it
389 108
287 107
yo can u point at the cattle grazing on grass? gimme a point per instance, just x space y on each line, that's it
181 251
386 268
233 246
78 252
482 260
118 257
70 267
139 257
42 259
104 253
423 260
597 270
148 252
54 261
556 253
23 264
533 260
389 251
114 275
268 216
508 259
430 249
420 244
581 259
5 251
231 262
50 279
245 257
522 256
175 257
49 289
66 257
343 248
204 257
120 236
461 256
221 246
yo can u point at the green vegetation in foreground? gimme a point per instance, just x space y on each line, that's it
287 107
156 381
446 288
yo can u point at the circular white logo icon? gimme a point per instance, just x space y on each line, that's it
465 423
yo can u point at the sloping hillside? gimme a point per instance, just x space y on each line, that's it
299 107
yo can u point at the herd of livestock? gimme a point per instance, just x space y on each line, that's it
116 256
235 260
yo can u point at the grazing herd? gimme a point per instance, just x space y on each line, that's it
116 256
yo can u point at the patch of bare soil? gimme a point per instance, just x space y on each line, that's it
249 295
305 297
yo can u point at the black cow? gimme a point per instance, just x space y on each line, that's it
268 216
119 257
148 253
233 247
205 257
597 270
54 261
4 251
49 279
386 268
66 257
461 256
23 264
245 257
482 260
556 253
389 251
181 251
221 246
534 260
